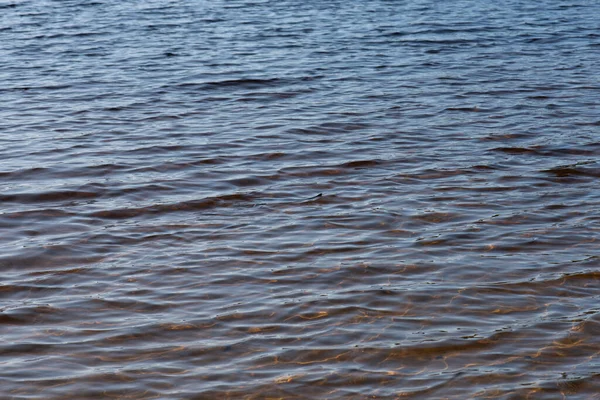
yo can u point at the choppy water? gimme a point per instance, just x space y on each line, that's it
299 199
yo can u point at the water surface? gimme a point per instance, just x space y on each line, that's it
299 199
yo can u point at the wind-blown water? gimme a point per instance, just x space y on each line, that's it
299 199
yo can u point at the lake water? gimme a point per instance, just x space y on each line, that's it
299 199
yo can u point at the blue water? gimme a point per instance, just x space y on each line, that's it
299 200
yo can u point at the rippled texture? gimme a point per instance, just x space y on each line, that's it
299 199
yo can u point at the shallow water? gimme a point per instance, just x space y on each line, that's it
285 199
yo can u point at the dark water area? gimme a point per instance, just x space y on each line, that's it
299 199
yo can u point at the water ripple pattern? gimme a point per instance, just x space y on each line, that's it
299 199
